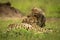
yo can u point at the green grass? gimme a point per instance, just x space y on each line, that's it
22 34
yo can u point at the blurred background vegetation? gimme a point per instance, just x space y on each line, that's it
50 7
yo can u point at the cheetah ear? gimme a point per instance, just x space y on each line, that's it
34 8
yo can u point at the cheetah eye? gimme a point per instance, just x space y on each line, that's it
24 25
35 15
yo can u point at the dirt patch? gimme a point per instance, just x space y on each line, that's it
7 11
52 19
